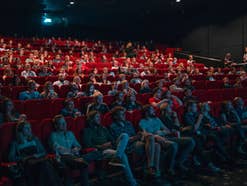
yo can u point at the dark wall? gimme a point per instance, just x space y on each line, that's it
217 38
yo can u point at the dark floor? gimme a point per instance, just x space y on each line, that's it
235 175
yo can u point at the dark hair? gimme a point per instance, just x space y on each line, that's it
156 90
90 117
115 111
55 120
145 109
66 101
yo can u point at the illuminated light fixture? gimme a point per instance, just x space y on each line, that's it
178 1
47 20
71 2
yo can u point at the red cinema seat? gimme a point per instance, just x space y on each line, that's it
38 109
80 124
107 120
57 105
7 134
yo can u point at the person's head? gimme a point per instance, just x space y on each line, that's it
119 96
125 84
115 86
8 105
190 57
131 98
226 80
167 94
191 107
31 85
148 111
69 104
118 114
93 118
238 102
23 131
48 86
77 80
145 83
98 98
187 92
157 92
90 88
105 70
226 106
59 123
27 67
205 107
61 77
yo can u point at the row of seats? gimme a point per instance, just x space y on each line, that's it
38 109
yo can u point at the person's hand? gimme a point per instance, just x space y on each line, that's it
75 150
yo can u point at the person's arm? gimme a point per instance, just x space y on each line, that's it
87 138
198 122
144 129
178 100
40 149
158 104
56 147
13 155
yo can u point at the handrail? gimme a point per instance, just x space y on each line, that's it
208 61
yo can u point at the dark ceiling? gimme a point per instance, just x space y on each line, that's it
133 18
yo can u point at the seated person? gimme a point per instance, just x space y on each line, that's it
188 96
61 80
114 89
28 72
193 125
135 79
240 108
67 149
145 87
98 105
229 117
48 92
90 90
162 134
127 89
31 92
156 101
131 104
27 148
9 113
172 99
176 86
97 136
226 82
74 91
44 71
119 100
69 109
141 145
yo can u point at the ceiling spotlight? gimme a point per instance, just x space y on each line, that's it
178 1
71 2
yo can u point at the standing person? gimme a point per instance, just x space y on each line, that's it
28 150
97 136
137 142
